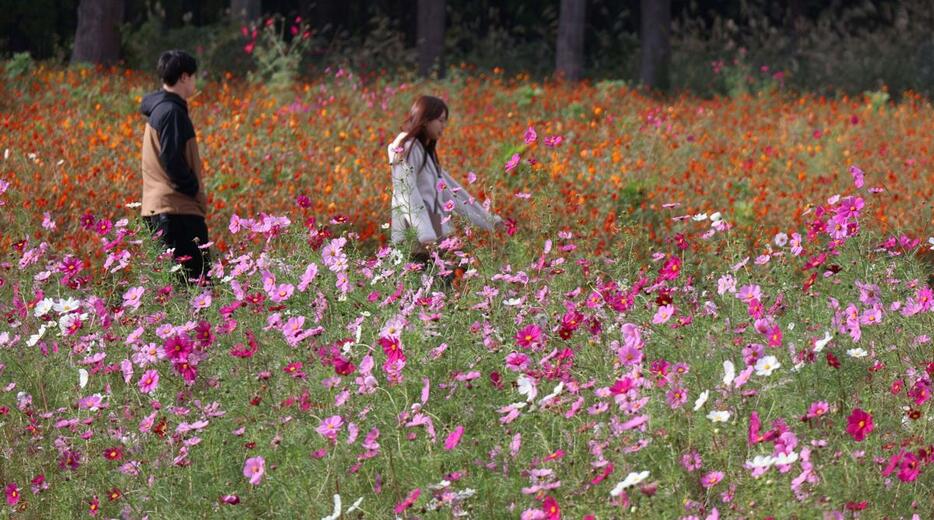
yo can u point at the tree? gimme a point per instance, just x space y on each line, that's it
245 10
430 36
97 38
569 58
656 44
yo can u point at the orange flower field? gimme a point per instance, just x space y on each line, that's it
74 138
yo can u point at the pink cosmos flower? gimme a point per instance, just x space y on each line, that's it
691 461
254 468
281 292
512 162
149 381
676 398
201 301
629 356
308 276
132 297
817 409
409 500
553 141
530 135
517 362
663 314
454 438
711 479
330 427
857 174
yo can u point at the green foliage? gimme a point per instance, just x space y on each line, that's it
277 47
381 49
19 65
217 47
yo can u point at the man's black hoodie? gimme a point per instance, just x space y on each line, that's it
171 165
168 116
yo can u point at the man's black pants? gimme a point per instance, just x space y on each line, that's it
184 233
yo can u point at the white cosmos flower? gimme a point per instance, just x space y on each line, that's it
857 353
36 337
719 416
512 302
715 216
65 306
766 365
43 307
337 509
786 458
821 343
631 479
701 399
761 461
527 387
82 377
558 389
729 372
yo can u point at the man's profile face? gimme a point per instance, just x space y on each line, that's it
186 84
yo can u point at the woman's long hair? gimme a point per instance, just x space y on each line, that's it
424 110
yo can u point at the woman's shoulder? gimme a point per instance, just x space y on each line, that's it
396 149
400 148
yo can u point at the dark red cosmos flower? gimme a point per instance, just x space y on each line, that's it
113 453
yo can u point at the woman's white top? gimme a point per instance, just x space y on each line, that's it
424 197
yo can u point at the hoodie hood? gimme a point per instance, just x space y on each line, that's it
153 99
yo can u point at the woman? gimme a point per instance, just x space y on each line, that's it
423 194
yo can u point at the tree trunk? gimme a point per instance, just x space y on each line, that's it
656 45
97 38
430 36
569 59
795 21
245 11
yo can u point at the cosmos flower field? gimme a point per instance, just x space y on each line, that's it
699 309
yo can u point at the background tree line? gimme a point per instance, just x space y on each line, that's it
653 42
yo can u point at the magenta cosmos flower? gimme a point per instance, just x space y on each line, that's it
254 468
859 424
12 494
529 336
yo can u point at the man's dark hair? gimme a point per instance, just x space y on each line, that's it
172 64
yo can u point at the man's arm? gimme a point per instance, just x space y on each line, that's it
173 136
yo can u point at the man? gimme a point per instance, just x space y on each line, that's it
174 203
